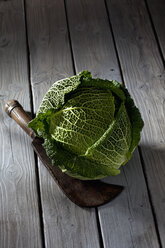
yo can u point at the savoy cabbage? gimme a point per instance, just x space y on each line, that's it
90 126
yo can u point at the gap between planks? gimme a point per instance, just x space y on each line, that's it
155 32
32 115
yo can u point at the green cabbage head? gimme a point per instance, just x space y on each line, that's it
90 126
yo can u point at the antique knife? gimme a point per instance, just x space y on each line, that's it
83 193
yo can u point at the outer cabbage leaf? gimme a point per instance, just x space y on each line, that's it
135 119
74 165
112 148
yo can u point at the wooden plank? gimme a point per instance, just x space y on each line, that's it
91 40
142 66
19 213
157 10
128 220
132 209
65 224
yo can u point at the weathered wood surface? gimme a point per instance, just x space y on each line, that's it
157 11
143 72
128 220
65 224
91 40
19 213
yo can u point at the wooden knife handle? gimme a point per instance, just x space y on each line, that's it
14 109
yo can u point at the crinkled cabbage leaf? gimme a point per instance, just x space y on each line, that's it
90 126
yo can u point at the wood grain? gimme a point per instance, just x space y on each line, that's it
128 220
65 224
19 214
92 42
157 10
143 73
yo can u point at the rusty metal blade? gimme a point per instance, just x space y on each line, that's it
83 193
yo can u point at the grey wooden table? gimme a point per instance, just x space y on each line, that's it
42 41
